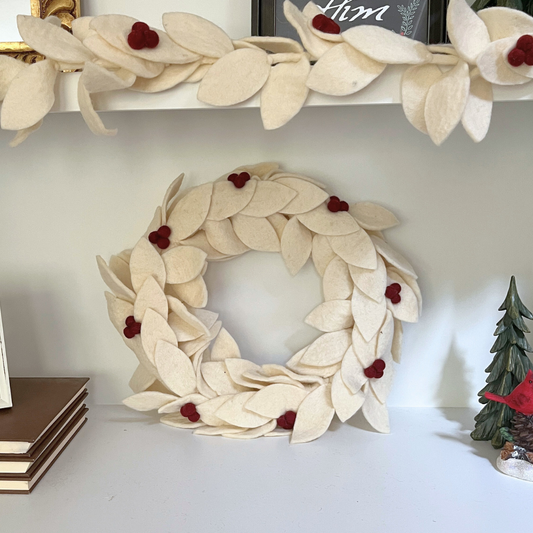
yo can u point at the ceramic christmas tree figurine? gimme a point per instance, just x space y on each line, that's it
507 370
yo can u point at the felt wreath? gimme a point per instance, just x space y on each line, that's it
190 367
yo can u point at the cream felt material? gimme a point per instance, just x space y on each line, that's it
328 349
284 93
150 296
322 221
346 403
372 282
234 412
467 32
234 78
308 197
321 371
193 293
208 409
93 121
97 79
332 37
224 347
190 212
198 75
175 420
256 233
183 330
173 192
372 216
356 249
352 372
407 309
112 281
141 379
343 70
115 30
199 240
208 318
259 380
22 135
331 316
502 22
222 431
145 262
227 200
278 370
412 283
217 376
393 257
221 236
337 283
200 344
416 82
121 269
170 77
184 324
176 405
494 67
296 244
203 387
276 45
364 350
396 348
375 412
118 310
386 46
314 416
81 27
382 386
179 309
322 253
269 198
253 433
154 330
148 401
197 34
524 69
385 336
367 313
175 369
183 263
238 368
276 400
155 223
30 96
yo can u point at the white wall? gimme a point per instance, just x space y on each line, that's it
66 196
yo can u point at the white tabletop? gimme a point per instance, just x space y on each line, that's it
125 472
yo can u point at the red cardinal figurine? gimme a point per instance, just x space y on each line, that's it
521 399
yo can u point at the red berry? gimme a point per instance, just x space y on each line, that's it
128 333
282 422
529 58
135 328
396 299
244 176
334 205
290 418
140 26
344 206
336 198
516 57
136 40
194 418
397 287
325 24
232 177
239 183
525 43
153 237
379 365
188 409
164 231
379 374
152 38
163 243
130 320
370 372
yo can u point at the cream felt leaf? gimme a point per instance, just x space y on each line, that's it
309 196
193 293
141 379
385 336
175 420
183 330
148 401
30 96
170 77
386 46
234 78
356 249
296 244
382 386
217 376
150 296
224 347
279 370
175 369
328 349
322 253
337 283
343 70
367 313
239 369
279 175
197 34
372 216
145 262
118 310
199 240
393 257
208 409
261 170
172 194
314 416
416 82
183 263
372 282
253 433
223 431
190 212
90 116
9 69
256 233
278 432
446 101
502 22
113 282
275 400
522 70
176 405
201 343
228 200
375 412
364 350
284 93
269 198
208 318
234 412
115 30
198 74
22 135
407 309
330 316
221 236
321 371
155 223
412 283
494 67
81 27
322 221
203 387
121 269
259 380
396 348
53 42
352 372
180 310
155 329
276 45
346 403
467 32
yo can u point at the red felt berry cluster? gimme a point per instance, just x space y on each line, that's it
141 36
376 370
132 328
287 420
239 180
189 411
522 53
335 205
160 237
393 293
325 24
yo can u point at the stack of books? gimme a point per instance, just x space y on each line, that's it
46 415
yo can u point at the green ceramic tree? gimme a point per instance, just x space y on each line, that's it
508 368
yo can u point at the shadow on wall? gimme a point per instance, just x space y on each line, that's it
453 372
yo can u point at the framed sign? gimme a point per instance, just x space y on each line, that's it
423 20
5 390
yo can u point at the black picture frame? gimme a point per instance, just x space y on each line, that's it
266 16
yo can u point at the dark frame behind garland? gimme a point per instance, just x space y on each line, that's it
264 19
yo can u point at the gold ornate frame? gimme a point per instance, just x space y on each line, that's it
65 10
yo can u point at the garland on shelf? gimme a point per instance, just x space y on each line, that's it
444 85
190 368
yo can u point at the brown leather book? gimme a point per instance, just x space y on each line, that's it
20 463
37 404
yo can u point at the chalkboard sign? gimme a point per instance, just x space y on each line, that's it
423 20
